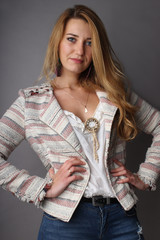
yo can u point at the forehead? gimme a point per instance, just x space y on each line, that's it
78 27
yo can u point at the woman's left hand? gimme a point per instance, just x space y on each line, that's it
129 176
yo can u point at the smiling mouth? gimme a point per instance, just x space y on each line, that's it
76 60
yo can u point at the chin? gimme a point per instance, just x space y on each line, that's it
77 71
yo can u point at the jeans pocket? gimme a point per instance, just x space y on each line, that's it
48 216
132 212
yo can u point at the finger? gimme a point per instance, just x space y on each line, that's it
73 178
73 162
77 169
77 162
118 162
117 169
120 173
125 180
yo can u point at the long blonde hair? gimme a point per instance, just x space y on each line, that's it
105 71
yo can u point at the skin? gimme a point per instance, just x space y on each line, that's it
63 177
75 50
75 53
131 178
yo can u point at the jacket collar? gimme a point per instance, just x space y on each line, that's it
108 107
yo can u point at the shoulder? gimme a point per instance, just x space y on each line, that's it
36 90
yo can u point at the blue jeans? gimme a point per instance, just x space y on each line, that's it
110 222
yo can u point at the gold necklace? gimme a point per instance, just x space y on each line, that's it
85 105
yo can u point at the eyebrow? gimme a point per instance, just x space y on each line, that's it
74 35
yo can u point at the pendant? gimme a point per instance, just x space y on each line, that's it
85 110
92 125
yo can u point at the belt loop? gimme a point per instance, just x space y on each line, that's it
108 200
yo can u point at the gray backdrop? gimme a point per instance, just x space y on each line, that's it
25 26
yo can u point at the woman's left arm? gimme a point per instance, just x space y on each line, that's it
148 121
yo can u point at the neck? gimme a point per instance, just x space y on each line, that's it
68 82
67 79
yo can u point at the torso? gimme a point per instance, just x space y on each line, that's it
74 101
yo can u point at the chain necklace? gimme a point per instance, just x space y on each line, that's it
85 105
91 124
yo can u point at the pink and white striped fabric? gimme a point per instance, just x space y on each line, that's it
37 117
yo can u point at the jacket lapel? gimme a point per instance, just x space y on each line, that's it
109 110
55 118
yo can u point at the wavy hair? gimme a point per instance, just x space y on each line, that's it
105 71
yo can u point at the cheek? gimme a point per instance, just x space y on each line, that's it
64 50
89 52
90 56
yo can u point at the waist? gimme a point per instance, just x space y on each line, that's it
100 201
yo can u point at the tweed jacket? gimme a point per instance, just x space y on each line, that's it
37 117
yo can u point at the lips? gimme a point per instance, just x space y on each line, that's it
76 60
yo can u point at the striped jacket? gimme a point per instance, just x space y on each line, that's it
37 117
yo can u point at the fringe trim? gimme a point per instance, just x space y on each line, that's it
148 181
41 196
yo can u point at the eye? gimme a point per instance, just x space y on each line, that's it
71 39
89 43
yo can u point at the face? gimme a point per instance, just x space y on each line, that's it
75 47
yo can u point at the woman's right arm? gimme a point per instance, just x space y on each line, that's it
12 132
19 182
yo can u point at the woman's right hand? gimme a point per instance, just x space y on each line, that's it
64 176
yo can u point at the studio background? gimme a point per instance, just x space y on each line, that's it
25 27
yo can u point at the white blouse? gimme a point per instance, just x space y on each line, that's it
98 183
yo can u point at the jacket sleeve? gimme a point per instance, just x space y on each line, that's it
148 121
12 132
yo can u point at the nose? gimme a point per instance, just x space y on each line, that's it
80 48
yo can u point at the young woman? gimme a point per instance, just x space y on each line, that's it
78 124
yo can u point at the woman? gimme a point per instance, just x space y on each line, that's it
78 124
